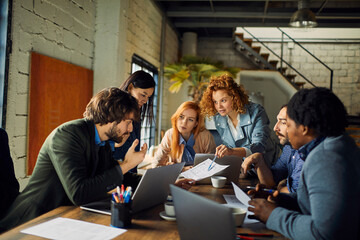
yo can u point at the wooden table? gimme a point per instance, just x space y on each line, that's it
146 224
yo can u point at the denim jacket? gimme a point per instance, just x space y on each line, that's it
255 132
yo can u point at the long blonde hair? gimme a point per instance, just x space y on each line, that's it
175 146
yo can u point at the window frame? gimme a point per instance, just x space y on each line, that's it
5 51
147 133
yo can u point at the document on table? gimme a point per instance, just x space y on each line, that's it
70 229
240 195
240 200
201 171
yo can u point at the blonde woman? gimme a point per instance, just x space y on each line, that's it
186 137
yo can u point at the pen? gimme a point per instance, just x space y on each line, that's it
267 190
127 197
256 234
115 198
122 188
246 238
211 163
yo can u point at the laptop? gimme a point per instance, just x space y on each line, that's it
200 218
152 190
231 173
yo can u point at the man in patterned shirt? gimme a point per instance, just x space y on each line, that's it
285 173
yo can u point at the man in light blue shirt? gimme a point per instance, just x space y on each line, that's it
287 167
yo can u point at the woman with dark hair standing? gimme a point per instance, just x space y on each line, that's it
140 85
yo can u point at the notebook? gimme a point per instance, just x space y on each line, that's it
200 218
231 173
152 190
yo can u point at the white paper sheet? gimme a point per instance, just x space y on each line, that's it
240 200
201 171
240 195
70 229
232 201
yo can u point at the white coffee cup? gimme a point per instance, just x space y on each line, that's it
239 215
218 181
169 209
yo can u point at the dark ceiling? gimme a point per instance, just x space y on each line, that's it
217 18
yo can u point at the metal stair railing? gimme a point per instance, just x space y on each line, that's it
254 54
331 71
288 64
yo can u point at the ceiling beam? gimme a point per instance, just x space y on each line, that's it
260 24
193 14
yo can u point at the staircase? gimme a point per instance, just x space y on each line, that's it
261 60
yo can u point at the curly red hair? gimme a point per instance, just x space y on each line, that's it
234 90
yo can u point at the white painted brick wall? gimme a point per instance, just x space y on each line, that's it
343 58
222 50
63 29
171 56
144 39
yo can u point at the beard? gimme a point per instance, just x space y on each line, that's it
283 139
114 136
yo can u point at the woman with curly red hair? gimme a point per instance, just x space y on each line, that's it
242 125
186 137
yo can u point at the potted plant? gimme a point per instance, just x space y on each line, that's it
197 72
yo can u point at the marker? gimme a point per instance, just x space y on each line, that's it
122 188
127 197
211 163
246 238
118 190
256 234
115 198
267 190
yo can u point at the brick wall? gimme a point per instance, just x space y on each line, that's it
60 29
143 32
222 49
342 58
171 56
135 29
67 30
143 37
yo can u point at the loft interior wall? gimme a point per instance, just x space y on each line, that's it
343 57
68 31
125 28
60 29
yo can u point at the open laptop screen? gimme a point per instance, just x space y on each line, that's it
152 190
200 218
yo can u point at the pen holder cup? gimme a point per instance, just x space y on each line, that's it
121 214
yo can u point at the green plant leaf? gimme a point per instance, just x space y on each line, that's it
175 87
196 71
180 76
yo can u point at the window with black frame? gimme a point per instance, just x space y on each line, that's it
147 130
3 62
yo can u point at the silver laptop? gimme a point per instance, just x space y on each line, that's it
200 218
152 190
231 173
